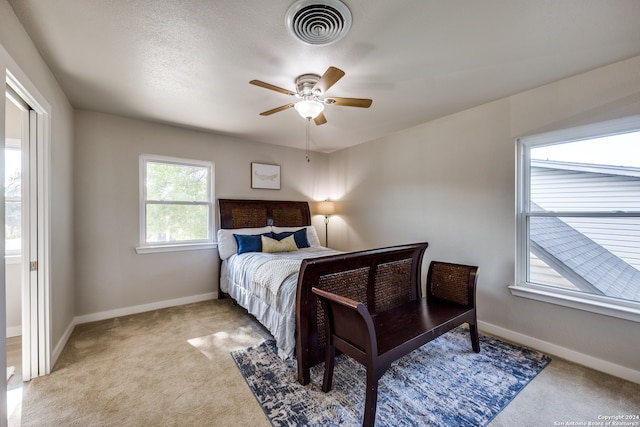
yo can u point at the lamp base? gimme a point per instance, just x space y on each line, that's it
326 230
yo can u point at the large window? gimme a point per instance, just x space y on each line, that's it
579 218
13 197
176 206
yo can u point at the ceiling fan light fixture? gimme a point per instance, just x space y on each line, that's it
309 109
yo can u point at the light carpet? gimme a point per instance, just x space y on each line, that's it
443 383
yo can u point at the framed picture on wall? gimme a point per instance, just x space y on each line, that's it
265 176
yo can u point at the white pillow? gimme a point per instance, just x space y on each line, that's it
312 235
227 244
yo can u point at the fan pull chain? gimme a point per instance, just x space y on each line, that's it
308 137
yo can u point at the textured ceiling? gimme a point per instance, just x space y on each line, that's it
189 63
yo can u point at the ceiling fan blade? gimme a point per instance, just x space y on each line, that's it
271 87
349 102
276 110
328 79
320 119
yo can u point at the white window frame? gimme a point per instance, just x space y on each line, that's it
614 307
154 247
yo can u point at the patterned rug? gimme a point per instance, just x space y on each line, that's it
443 383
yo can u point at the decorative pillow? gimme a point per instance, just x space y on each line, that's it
287 244
312 236
299 236
250 242
227 244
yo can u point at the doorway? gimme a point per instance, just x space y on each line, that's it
26 261
15 113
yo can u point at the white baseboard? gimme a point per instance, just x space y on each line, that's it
103 315
14 331
563 352
61 343
86 318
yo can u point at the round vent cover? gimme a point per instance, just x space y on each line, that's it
318 22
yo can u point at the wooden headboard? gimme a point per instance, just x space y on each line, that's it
236 213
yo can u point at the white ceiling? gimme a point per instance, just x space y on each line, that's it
189 62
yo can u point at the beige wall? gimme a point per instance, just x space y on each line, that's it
451 182
109 274
19 55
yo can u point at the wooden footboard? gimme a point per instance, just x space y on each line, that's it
383 278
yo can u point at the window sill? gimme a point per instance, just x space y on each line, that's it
175 248
627 310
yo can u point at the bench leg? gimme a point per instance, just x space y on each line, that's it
371 399
475 341
329 362
304 372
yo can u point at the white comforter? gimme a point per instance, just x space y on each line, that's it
278 313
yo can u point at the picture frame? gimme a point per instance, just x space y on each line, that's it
265 176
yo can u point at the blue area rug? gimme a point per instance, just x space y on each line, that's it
443 383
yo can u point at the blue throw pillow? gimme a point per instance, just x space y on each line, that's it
250 242
299 236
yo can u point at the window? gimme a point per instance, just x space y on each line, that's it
13 197
578 218
176 203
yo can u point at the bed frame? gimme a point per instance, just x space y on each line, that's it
382 278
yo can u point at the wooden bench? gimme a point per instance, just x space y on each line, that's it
382 278
376 340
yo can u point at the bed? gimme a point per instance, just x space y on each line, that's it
283 302
274 310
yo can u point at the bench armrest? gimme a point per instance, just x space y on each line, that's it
338 299
349 320
455 283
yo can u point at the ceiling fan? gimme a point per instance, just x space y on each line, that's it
310 89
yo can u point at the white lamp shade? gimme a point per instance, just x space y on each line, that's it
308 108
326 208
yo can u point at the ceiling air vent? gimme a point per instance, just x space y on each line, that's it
317 22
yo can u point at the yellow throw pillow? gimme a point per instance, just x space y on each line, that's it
287 244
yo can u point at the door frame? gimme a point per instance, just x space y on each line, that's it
36 300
